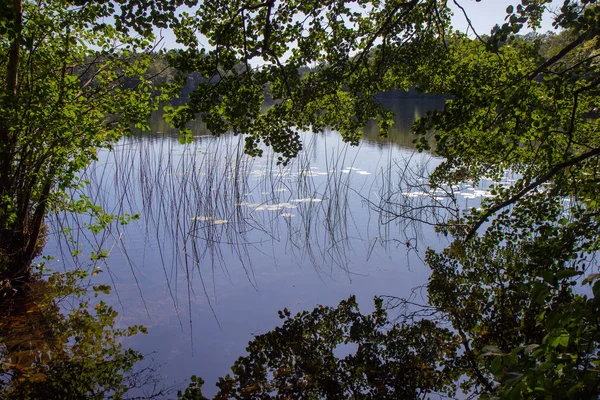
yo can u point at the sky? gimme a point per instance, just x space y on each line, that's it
487 13
483 14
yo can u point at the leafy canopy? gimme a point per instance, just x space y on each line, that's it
510 284
73 84
354 51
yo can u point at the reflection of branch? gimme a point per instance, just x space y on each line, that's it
421 311
413 202
469 352
530 187
409 310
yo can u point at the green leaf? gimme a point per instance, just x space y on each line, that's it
496 365
576 391
568 273
185 136
540 292
558 338
491 350
596 289
530 348
545 366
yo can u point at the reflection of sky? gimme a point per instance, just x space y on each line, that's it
280 237
224 241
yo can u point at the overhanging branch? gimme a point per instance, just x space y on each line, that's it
541 180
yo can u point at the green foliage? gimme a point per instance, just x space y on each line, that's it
510 282
507 282
353 51
74 84
193 391
523 107
510 293
50 353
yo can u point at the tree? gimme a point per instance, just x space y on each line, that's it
524 108
508 283
73 84
353 55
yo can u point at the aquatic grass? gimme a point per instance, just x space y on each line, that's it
207 209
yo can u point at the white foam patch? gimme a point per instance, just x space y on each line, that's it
307 200
415 194
483 193
202 218
267 207
311 173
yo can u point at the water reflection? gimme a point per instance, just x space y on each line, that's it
407 107
223 240
407 110
57 343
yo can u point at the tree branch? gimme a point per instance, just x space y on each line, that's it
557 168
558 56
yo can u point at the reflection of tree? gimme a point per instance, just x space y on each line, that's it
339 353
406 111
52 354
25 331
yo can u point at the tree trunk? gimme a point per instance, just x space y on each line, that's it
12 70
12 232
12 79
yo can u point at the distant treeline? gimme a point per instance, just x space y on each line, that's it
546 44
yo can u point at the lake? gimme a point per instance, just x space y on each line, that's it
224 241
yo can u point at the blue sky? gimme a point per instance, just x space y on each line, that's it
483 15
486 13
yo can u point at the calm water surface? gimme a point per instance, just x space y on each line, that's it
224 241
